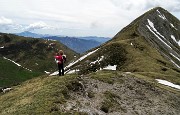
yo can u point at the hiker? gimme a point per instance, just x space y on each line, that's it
60 59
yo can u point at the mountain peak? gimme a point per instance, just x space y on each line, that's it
149 44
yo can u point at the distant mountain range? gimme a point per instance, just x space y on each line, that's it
78 44
95 38
32 35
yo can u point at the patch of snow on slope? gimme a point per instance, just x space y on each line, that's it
173 26
2 47
12 61
81 58
164 82
72 71
178 42
175 64
175 56
55 73
71 64
161 16
16 63
47 72
152 26
109 67
98 60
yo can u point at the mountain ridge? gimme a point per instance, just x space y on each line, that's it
78 44
130 87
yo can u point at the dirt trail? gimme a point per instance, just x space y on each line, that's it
128 95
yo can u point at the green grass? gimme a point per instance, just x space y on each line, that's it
34 54
42 95
31 51
48 94
107 76
110 103
11 74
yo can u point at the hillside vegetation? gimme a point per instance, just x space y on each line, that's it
103 92
131 51
12 74
34 54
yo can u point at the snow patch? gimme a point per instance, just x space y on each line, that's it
175 64
16 63
81 58
178 42
175 56
164 82
109 67
6 89
98 60
161 15
71 64
12 61
55 73
128 72
156 33
132 44
72 71
2 47
173 26
47 72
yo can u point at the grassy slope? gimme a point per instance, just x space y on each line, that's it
139 57
49 94
11 74
30 51
34 54
40 95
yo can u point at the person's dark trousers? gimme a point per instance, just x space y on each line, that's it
61 69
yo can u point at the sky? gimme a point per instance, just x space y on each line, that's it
76 17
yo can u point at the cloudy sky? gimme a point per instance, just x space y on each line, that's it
76 17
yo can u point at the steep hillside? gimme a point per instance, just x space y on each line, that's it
11 74
134 49
76 44
36 55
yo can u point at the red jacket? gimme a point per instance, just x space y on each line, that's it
59 59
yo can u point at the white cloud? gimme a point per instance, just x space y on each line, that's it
38 25
170 5
5 21
77 17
